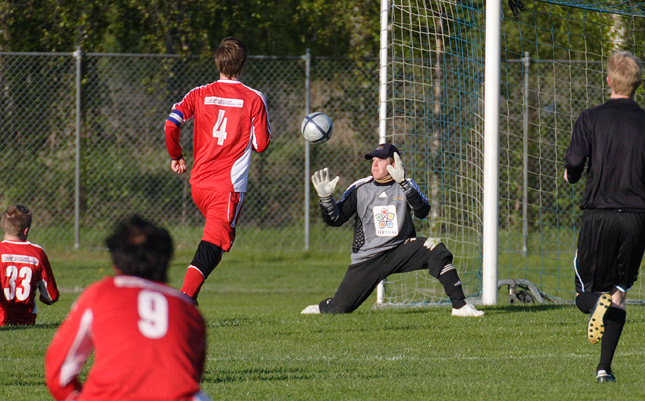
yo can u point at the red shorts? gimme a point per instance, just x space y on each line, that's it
17 314
221 210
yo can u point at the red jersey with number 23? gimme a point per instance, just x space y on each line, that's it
231 121
24 267
149 342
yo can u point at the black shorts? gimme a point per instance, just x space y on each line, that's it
610 250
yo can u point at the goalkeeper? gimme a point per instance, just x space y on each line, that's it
385 240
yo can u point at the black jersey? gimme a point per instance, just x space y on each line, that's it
611 138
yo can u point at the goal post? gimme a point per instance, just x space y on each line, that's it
382 106
481 98
492 52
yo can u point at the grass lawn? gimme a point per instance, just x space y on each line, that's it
261 348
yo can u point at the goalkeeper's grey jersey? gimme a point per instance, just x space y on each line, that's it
383 214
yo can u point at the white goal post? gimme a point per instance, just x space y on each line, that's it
382 107
491 150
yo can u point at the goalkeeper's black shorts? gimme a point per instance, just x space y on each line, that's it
610 250
362 278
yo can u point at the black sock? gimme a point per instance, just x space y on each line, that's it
452 285
207 257
585 301
614 323
325 305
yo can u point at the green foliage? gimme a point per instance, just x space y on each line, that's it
261 348
277 27
341 28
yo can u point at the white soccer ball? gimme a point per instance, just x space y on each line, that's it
316 127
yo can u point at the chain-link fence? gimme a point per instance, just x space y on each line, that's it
541 100
538 210
83 143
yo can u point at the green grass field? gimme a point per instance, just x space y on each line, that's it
261 348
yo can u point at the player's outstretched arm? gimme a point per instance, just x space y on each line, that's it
323 185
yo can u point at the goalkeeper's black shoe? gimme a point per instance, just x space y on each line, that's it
596 323
605 377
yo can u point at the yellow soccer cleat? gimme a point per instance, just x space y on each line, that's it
596 324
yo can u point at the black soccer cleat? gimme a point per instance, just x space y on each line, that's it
596 324
605 377
193 300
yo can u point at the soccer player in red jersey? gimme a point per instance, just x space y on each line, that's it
149 340
231 121
24 267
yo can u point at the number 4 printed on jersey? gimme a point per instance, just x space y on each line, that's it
219 130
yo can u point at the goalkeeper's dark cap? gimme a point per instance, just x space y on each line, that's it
382 151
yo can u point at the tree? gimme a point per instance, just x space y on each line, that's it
276 27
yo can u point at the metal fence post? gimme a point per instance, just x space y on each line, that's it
78 54
526 60
307 158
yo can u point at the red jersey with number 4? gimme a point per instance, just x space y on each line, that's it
24 267
231 120
149 343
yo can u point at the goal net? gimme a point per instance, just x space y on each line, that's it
554 57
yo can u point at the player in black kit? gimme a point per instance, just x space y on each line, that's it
610 140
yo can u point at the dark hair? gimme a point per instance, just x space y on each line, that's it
230 57
139 248
16 219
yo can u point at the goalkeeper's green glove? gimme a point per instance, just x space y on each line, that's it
397 171
323 185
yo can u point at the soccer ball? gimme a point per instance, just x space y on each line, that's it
316 127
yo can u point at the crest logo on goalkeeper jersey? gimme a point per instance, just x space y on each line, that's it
385 221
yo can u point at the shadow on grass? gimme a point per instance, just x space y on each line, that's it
246 375
527 308
488 309
45 326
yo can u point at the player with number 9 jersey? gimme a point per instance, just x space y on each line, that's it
148 339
